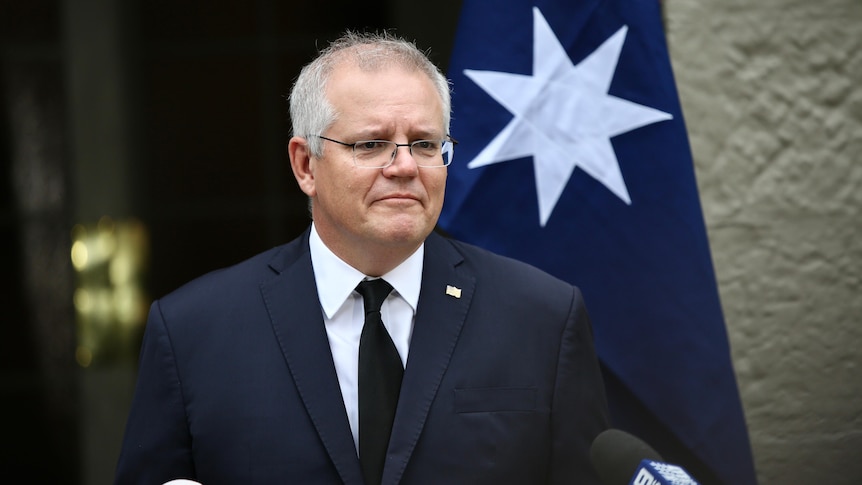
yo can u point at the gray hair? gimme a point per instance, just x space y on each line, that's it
310 111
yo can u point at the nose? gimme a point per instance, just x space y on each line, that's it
402 163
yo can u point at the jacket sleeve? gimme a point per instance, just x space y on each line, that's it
157 443
580 410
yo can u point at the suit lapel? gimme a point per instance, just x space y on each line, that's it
443 303
292 301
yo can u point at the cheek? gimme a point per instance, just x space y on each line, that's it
345 194
339 196
436 187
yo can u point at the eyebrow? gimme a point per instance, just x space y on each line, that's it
412 136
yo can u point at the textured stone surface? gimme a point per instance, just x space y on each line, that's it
772 96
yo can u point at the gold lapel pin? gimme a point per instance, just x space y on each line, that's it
453 291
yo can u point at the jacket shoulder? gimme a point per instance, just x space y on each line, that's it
238 280
484 261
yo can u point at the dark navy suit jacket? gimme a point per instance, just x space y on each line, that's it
236 383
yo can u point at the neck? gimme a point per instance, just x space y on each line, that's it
371 259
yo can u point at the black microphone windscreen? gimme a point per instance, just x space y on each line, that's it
616 456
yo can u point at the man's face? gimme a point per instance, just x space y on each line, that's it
397 206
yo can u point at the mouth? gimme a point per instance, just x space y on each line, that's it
399 199
399 196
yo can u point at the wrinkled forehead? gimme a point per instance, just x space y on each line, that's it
353 87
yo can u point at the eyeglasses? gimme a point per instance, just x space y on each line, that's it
381 153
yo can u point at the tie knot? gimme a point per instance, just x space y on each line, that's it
373 293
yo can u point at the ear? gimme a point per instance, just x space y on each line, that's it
300 162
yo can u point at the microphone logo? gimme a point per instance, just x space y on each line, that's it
657 473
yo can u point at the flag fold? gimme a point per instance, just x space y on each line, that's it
573 156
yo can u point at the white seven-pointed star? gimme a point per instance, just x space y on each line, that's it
564 116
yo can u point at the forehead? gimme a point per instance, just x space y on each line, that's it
385 93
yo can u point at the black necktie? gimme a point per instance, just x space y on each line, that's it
380 373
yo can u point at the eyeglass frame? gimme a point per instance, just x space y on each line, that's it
395 151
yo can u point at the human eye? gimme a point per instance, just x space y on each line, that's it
370 146
426 147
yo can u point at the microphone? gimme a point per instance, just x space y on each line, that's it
620 458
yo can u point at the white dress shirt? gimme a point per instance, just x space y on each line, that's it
344 314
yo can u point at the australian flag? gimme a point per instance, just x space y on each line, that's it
573 156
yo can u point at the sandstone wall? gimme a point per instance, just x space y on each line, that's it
772 96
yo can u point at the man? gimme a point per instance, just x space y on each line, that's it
256 373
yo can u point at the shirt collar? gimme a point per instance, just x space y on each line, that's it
336 279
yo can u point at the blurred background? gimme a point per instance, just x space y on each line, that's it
142 143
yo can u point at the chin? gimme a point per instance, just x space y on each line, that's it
405 234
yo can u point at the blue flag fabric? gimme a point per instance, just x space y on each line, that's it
573 156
